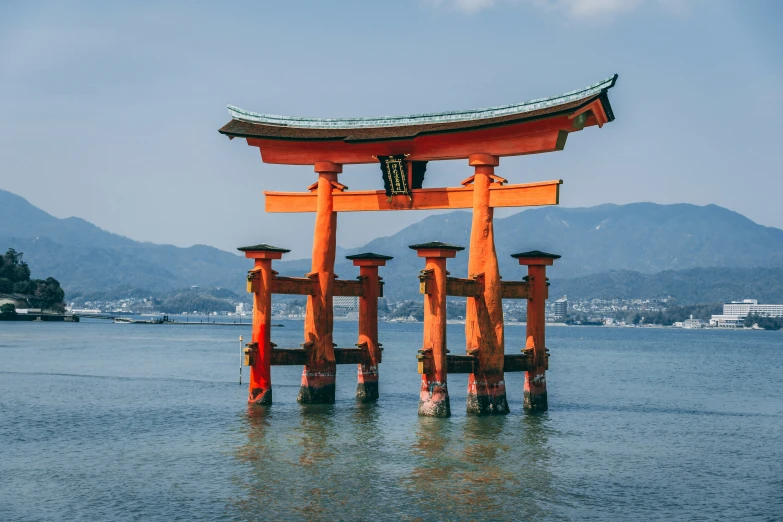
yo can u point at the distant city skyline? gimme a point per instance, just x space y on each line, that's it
110 111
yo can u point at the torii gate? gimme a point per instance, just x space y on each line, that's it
403 145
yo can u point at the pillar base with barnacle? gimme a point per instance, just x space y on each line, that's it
403 146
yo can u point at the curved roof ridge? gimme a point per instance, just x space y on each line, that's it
418 119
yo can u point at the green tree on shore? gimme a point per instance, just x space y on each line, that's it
15 278
767 323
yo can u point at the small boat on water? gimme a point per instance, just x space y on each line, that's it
122 320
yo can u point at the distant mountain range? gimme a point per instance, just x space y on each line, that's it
85 258
613 250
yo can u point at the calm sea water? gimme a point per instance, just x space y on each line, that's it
102 421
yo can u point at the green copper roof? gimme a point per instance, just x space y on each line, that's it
419 119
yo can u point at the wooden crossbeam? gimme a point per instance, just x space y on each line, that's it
308 286
533 137
289 357
517 362
459 287
469 363
349 355
522 195
294 285
515 289
348 288
299 356
461 364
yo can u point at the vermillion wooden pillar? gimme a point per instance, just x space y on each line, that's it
434 393
535 396
484 314
318 376
368 263
260 349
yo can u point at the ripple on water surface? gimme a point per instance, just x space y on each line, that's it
138 422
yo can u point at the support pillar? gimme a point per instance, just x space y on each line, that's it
484 314
318 376
434 393
368 263
260 349
535 395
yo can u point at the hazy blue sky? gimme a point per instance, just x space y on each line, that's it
109 110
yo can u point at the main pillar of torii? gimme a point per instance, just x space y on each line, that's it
318 376
484 314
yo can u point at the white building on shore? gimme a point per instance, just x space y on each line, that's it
735 312
559 309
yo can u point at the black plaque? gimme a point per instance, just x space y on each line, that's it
395 175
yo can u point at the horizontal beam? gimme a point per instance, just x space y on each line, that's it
532 137
461 364
522 195
289 357
517 362
299 356
350 355
515 290
294 285
463 287
348 288
470 364
308 286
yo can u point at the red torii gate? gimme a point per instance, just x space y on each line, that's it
404 143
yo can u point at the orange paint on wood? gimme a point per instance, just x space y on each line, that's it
596 110
260 386
368 370
536 313
530 137
535 379
519 195
318 375
434 394
435 319
484 314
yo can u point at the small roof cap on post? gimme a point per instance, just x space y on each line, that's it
369 259
263 251
535 257
436 249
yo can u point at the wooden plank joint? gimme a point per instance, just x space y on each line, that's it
425 282
461 364
515 289
460 287
301 356
295 285
350 355
425 363
349 288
